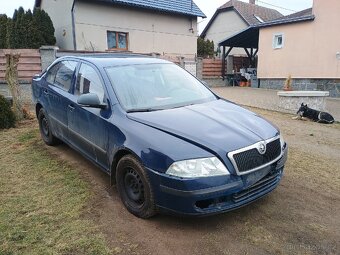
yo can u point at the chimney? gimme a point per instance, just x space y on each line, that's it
252 1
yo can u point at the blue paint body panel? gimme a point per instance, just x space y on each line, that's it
163 137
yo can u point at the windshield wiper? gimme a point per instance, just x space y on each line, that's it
144 110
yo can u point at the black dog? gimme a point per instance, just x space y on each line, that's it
321 117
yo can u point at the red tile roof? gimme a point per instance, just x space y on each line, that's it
249 11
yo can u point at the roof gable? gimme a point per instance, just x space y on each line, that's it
301 16
303 13
247 12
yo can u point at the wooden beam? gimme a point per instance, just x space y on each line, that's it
228 52
223 63
248 54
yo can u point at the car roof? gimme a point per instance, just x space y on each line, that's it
111 60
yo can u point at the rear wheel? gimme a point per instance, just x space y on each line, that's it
134 187
45 129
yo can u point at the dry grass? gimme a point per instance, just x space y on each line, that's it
42 201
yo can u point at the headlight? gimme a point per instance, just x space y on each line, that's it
204 167
282 141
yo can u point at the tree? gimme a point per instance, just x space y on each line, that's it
3 31
205 48
34 37
12 61
26 30
20 29
11 32
45 27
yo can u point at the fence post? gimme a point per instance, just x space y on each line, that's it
199 68
47 54
181 62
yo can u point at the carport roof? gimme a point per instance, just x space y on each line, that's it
248 38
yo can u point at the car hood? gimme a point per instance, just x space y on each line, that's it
216 126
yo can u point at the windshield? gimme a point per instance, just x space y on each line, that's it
151 87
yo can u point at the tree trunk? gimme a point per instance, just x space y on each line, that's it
12 61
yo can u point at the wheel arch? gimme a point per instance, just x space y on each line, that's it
118 155
37 108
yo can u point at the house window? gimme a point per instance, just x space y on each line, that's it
278 41
117 40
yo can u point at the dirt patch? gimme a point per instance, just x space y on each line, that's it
300 217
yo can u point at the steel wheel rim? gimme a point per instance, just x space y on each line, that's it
45 126
134 187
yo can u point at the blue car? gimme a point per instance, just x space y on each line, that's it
168 143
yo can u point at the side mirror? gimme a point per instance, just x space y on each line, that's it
36 76
90 100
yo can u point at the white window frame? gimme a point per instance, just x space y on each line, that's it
275 41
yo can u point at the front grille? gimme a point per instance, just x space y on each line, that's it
265 184
251 159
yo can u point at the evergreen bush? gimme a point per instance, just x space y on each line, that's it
7 118
26 30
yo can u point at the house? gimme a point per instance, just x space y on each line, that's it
233 17
305 46
139 26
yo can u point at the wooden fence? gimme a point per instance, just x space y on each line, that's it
212 68
29 63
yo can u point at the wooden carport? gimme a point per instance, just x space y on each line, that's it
247 39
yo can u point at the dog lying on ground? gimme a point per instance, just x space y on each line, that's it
307 113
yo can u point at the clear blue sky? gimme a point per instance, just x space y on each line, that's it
207 6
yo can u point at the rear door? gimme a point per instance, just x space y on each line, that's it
59 83
89 126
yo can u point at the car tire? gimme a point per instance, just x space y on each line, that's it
45 129
134 187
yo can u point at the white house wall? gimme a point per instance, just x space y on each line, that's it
148 31
226 24
61 16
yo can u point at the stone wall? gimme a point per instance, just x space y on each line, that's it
215 82
24 89
331 85
48 54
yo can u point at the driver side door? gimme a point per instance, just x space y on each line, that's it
88 126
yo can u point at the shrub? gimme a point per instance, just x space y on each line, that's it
205 48
7 118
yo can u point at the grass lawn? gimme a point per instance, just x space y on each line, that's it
42 201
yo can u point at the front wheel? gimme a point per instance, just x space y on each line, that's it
45 129
134 188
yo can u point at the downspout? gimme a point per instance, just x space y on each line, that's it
73 27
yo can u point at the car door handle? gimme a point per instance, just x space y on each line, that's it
71 107
46 92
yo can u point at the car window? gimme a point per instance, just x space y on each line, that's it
156 86
88 81
64 76
50 77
